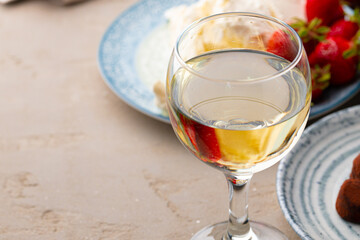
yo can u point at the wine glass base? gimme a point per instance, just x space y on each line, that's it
260 231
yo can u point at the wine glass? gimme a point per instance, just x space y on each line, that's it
238 94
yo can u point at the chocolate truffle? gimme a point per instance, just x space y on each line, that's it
348 201
355 173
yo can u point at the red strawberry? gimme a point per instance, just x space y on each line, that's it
202 138
207 142
311 33
331 52
343 28
281 45
189 129
327 10
354 51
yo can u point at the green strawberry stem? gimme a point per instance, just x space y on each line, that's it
310 30
321 76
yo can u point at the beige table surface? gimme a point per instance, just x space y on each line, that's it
78 163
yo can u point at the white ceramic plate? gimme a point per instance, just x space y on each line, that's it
309 179
134 52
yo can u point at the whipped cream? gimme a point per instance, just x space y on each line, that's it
182 16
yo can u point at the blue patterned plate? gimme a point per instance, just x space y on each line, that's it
129 70
309 179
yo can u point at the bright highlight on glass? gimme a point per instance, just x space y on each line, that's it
239 93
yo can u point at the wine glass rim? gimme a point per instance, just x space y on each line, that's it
293 63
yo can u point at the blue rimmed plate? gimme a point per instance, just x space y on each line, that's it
309 179
130 64
123 54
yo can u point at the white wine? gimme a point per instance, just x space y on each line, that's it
248 112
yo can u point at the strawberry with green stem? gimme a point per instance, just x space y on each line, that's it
332 51
354 51
346 28
320 77
311 33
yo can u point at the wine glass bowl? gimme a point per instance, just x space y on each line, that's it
238 93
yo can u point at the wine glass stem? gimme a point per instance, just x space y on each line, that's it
238 225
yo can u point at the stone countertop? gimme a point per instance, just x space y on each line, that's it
78 163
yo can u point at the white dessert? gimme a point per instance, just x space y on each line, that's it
182 16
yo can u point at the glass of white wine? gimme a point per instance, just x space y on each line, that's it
239 93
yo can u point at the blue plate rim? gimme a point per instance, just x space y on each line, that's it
106 78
